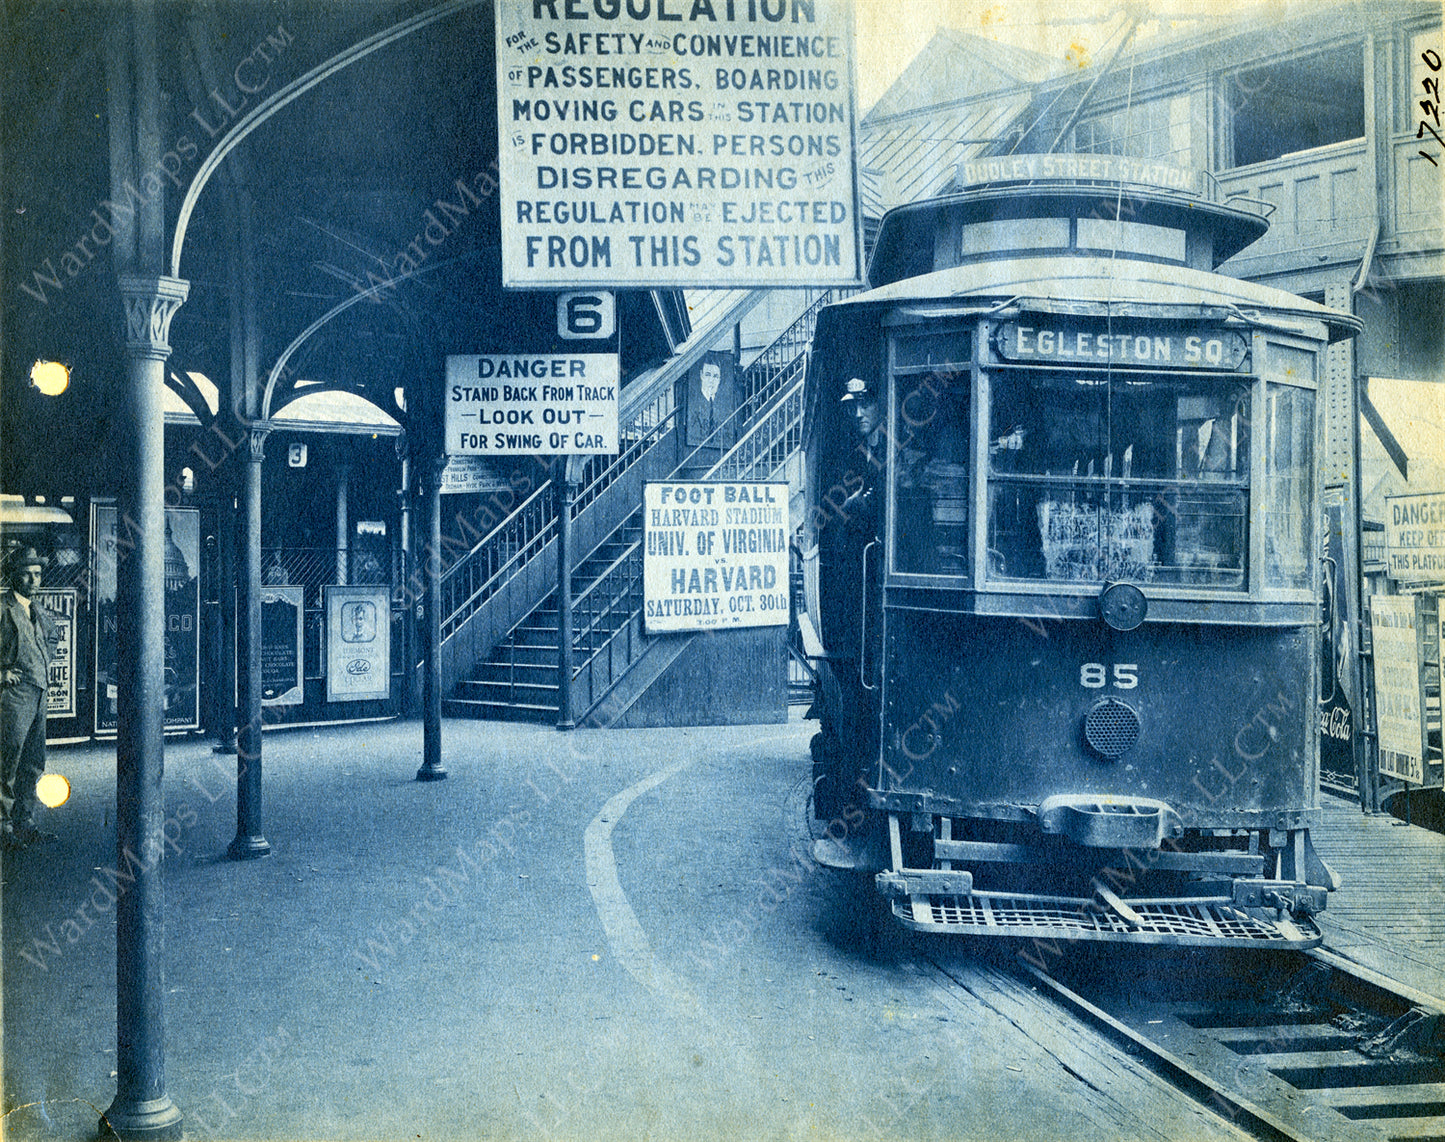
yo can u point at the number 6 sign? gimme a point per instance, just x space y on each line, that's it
586 315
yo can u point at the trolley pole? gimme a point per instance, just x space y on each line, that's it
431 738
566 496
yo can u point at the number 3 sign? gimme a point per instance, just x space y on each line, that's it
587 315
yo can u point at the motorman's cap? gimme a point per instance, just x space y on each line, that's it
20 557
857 389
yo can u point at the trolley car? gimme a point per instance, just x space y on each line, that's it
1062 552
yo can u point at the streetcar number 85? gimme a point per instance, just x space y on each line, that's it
1095 675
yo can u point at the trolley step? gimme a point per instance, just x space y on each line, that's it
1182 923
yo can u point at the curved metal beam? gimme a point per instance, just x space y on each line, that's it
335 311
293 90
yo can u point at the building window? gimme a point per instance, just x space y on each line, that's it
1296 105
1157 129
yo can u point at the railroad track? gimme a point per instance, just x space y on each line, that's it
1304 1046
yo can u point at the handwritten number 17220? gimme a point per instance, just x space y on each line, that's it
1430 106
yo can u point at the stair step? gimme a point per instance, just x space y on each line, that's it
497 711
538 694
535 636
505 672
525 656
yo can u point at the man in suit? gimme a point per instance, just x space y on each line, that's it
28 638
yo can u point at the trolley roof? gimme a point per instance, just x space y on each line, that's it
1116 287
1218 230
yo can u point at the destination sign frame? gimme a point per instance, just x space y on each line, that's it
709 144
1415 537
523 404
1080 167
715 555
1214 349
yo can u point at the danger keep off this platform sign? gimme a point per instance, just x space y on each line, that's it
521 404
715 556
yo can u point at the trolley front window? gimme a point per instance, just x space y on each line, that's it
1143 477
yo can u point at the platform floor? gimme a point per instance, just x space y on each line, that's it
554 943
1389 913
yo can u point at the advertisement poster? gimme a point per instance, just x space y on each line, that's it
1398 702
183 613
281 646
681 143
712 398
715 556
60 699
358 643
1337 652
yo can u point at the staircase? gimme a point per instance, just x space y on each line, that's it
518 680
516 677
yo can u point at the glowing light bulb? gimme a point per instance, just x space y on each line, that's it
50 377
52 790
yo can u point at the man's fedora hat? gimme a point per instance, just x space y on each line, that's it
24 556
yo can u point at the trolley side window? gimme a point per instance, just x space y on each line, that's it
1289 428
1143 477
929 443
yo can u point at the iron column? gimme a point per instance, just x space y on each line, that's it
142 1109
566 495
249 842
431 744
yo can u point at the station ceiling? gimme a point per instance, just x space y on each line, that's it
334 193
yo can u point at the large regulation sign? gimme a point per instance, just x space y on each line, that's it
714 556
677 143
514 404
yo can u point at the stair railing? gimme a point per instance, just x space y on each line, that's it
502 552
476 576
764 448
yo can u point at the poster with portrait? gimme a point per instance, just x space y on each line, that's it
358 643
182 609
711 399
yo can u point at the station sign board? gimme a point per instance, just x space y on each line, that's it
1399 701
1061 343
715 555
1082 167
471 474
1415 538
515 404
706 143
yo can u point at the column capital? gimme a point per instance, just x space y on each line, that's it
150 303
256 437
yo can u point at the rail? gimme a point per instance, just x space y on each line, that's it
783 359
609 659
775 436
476 576
505 551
